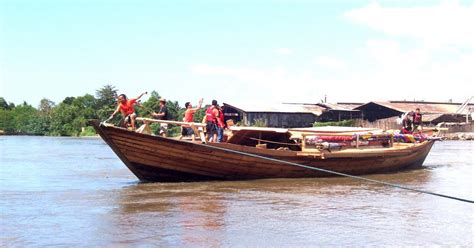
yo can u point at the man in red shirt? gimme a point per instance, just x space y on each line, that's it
127 108
220 124
212 120
417 120
188 117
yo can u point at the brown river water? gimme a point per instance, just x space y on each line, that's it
75 192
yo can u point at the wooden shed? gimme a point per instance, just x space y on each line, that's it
340 112
282 115
291 114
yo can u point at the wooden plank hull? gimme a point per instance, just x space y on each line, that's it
159 159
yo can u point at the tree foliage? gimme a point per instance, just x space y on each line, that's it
106 100
151 105
69 117
3 104
344 123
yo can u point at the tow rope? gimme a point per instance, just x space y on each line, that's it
340 174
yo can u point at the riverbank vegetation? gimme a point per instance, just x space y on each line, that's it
344 123
69 117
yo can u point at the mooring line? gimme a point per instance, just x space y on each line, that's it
339 173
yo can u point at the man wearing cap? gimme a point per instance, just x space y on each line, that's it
162 115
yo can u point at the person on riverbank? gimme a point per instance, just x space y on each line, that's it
162 115
189 117
417 120
127 108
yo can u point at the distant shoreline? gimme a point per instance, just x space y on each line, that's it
50 136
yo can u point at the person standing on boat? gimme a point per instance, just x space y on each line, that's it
162 115
220 124
417 120
406 125
127 108
188 117
211 122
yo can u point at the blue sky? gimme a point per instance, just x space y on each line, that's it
253 52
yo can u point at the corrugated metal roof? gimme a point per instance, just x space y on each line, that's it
431 117
331 106
443 117
319 108
280 108
349 105
425 107
340 107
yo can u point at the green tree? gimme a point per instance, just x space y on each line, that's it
199 115
106 101
150 105
21 119
64 121
70 117
40 121
86 105
23 116
38 125
46 107
7 123
4 104
68 100
175 112
344 123
106 95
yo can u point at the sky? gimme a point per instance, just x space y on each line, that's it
258 52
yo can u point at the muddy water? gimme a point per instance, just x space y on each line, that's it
76 192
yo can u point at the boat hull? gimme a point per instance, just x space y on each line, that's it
159 159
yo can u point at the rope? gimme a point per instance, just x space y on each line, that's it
340 174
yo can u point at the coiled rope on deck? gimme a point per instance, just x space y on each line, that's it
340 174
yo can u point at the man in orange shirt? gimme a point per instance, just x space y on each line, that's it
188 117
126 108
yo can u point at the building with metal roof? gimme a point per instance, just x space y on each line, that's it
289 114
380 110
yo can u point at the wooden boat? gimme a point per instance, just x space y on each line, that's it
255 153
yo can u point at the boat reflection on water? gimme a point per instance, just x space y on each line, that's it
173 214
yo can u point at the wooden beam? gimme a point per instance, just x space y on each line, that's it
179 123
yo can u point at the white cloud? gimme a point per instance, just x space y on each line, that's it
330 62
284 51
427 53
445 23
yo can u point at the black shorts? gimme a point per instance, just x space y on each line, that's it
211 128
187 131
